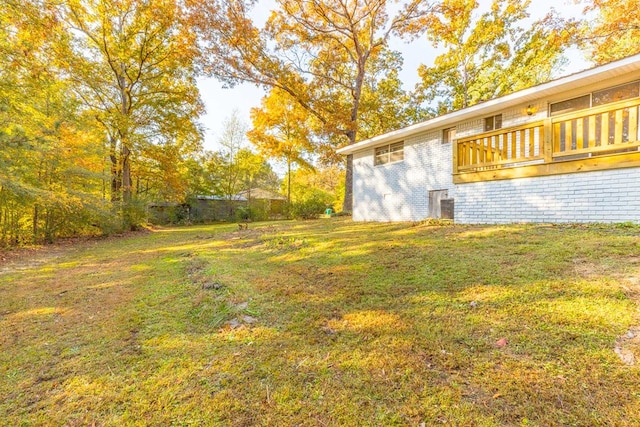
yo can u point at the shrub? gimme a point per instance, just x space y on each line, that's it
311 206
134 214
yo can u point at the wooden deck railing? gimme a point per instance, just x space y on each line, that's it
501 148
609 130
601 129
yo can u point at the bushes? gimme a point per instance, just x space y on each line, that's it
258 210
312 205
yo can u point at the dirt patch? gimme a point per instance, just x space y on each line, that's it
18 259
628 345
586 268
26 258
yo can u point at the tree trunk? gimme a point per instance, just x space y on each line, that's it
352 134
48 226
35 224
115 181
126 175
347 204
289 180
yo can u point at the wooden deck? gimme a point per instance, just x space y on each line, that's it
598 138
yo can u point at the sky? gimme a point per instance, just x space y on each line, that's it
220 102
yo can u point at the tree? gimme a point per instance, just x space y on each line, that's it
281 131
319 52
614 33
229 171
50 164
131 62
489 55
235 168
385 105
314 190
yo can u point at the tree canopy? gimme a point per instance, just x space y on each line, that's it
488 54
614 32
326 55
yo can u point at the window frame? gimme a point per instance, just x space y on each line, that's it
569 110
591 99
493 123
388 153
448 135
620 86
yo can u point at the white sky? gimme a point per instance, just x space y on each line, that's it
221 102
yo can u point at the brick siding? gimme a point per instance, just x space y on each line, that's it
400 191
602 196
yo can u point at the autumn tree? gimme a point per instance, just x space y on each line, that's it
281 131
314 190
615 31
201 170
131 63
50 164
320 52
161 171
488 55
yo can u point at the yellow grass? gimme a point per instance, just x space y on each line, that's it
324 323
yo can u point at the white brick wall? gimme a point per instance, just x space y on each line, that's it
400 191
602 196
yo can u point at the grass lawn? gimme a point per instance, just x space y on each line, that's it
325 323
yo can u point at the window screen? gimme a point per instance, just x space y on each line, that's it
618 93
389 153
570 105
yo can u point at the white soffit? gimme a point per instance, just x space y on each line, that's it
573 81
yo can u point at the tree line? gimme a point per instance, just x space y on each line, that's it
99 106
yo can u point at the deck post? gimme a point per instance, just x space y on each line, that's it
455 148
547 142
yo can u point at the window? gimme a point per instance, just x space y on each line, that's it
493 123
389 153
448 135
601 97
617 93
570 105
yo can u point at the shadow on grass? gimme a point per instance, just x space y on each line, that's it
328 323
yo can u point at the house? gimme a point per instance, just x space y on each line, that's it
563 151
215 208
168 212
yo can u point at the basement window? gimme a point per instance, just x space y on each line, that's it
389 153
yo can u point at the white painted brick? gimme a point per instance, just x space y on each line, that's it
602 196
400 191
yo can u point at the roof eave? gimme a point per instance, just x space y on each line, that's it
572 81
